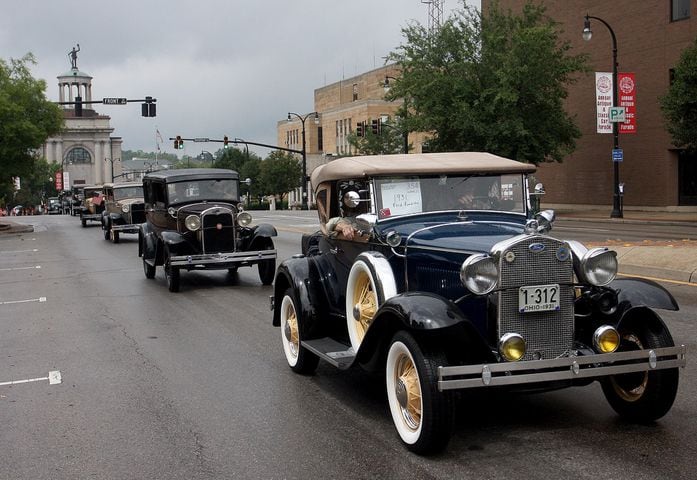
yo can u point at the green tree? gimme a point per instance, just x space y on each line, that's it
27 118
679 105
389 140
279 173
234 158
493 82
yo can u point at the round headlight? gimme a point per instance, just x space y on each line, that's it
192 222
512 347
244 218
606 339
125 208
599 266
479 273
393 238
172 212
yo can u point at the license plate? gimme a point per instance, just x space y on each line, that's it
538 298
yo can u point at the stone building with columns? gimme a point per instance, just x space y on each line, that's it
85 149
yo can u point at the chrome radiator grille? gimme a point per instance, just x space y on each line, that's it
218 229
548 334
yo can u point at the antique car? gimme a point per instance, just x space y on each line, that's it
92 204
124 209
53 206
450 283
194 220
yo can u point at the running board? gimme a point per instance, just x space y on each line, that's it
331 351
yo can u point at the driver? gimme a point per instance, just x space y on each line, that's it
346 223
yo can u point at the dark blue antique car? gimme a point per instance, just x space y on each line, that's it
194 221
446 281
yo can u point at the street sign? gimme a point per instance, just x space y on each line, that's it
617 114
201 139
617 155
114 101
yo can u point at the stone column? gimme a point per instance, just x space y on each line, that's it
97 173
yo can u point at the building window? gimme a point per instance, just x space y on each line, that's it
320 143
355 92
679 10
78 155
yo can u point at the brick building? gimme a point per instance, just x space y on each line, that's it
340 107
651 35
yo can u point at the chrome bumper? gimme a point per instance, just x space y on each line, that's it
133 228
567 368
232 258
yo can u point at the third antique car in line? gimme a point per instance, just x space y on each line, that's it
433 269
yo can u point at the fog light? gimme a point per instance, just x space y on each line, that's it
606 339
512 347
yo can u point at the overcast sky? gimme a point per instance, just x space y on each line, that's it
216 67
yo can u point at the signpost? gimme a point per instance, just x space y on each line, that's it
617 114
617 155
114 101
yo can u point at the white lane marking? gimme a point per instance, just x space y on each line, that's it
10 302
54 378
20 251
19 268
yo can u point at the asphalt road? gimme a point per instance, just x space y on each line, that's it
195 385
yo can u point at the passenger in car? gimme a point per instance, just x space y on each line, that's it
346 224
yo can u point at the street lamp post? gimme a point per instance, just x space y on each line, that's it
587 35
112 160
386 86
303 185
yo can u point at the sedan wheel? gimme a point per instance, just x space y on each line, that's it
171 273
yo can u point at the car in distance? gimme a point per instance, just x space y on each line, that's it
124 209
92 204
53 206
194 221
449 282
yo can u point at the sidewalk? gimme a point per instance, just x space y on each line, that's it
669 260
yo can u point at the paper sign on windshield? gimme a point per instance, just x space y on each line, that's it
401 198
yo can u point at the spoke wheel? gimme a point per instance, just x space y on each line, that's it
370 283
299 359
642 396
422 416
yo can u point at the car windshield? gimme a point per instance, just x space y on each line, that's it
135 191
411 195
204 189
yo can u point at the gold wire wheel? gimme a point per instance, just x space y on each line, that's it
408 392
631 387
291 330
366 304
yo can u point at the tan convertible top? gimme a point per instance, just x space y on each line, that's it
417 164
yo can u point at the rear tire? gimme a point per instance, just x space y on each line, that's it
299 359
83 222
114 236
642 397
422 415
107 228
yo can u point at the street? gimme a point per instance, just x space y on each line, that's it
192 385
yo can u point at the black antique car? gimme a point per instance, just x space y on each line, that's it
53 206
194 220
124 209
92 204
448 282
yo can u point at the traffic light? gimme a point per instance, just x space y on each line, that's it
375 126
178 143
148 109
78 106
359 129
225 141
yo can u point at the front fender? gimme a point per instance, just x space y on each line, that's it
115 218
632 292
264 230
296 273
172 238
147 242
429 318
